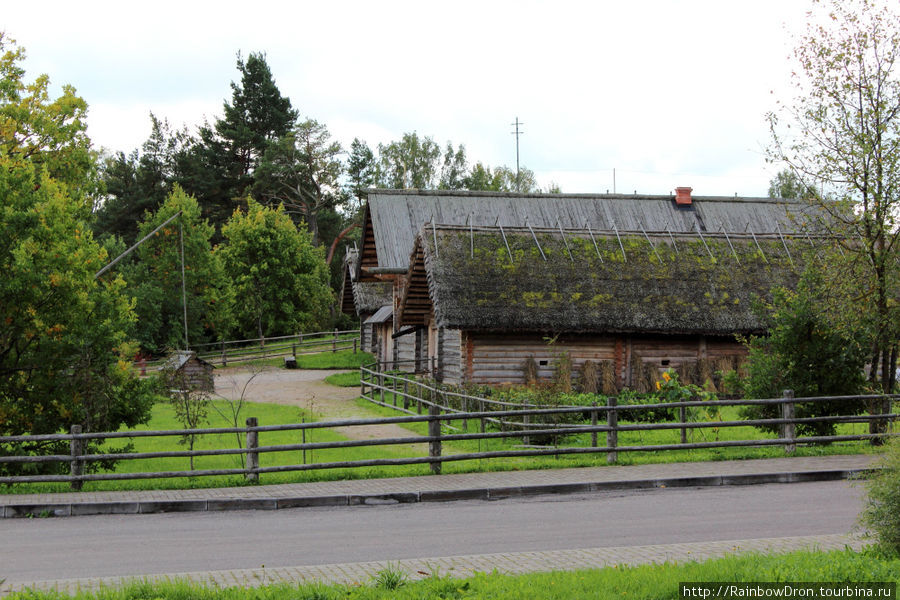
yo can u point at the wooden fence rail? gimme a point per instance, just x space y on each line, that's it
237 351
603 420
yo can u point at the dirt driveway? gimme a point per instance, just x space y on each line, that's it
306 389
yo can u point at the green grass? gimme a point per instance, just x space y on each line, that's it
639 582
344 379
343 359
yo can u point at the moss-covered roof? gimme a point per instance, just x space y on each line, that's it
595 282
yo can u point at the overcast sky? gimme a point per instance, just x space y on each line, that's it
667 93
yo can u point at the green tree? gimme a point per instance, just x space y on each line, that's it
503 179
64 346
844 132
804 352
410 162
138 183
360 171
218 167
279 278
155 279
301 171
787 184
454 169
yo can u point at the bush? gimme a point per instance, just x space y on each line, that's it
804 352
882 511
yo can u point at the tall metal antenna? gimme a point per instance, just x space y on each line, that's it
517 133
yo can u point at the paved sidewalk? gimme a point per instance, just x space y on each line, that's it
467 486
465 566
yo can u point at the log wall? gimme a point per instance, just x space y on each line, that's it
499 359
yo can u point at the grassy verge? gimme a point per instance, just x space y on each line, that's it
344 379
640 582
343 359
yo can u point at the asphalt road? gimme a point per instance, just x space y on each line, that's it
96 546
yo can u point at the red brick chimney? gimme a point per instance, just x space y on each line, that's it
683 196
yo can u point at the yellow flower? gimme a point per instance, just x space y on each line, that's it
658 387
666 376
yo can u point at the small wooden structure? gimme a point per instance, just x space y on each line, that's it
186 371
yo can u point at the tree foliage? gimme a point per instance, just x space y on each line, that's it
842 129
411 162
806 353
138 183
218 167
155 279
278 277
63 333
301 171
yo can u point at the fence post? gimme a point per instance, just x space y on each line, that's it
526 421
612 436
381 385
594 424
788 430
334 341
294 351
252 455
405 394
362 382
682 416
465 409
434 431
354 345
76 467
224 356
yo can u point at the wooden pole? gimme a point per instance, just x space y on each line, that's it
252 456
434 431
76 467
612 436
594 424
788 430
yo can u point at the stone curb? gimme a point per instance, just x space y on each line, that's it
460 566
483 493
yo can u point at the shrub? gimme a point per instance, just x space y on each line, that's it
804 352
882 511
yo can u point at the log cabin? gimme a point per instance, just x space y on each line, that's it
483 281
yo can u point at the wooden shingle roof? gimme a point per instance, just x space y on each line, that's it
393 217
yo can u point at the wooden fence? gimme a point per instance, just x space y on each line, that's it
238 351
444 427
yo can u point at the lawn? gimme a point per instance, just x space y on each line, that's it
844 567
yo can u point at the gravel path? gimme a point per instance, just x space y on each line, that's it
306 389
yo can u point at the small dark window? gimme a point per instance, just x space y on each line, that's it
542 363
665 363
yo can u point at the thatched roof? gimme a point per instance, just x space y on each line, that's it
490 279
362 297
393 217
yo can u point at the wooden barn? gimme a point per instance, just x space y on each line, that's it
491 299
481 281
186 371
